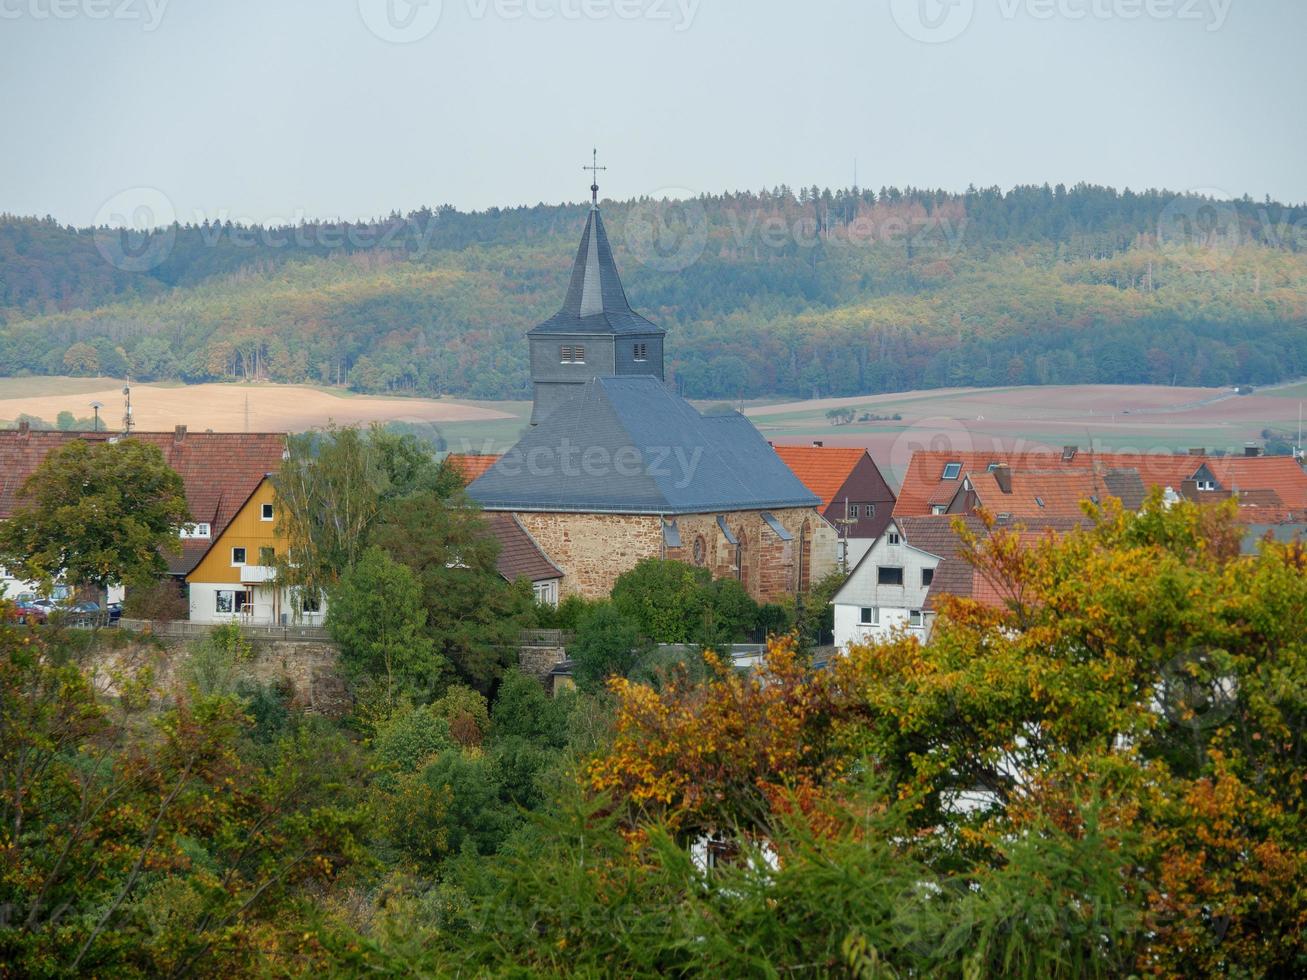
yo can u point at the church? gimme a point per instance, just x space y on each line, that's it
617 468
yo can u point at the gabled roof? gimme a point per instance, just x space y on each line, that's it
470 465
520 555
1037 494
936 535
1283 474
627 445
924 485
596 302
219 470
822 469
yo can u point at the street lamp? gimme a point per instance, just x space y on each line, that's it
97 406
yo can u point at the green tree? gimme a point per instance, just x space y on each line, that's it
606 644
65 421
523 710
376 615
474 617
332 488
665 598
729 614
96 514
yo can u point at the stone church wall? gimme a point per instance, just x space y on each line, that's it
594 549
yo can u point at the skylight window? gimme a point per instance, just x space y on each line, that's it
952 471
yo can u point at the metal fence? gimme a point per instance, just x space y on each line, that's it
185 629
545 638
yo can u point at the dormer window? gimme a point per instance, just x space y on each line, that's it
952 471
640 352
571 354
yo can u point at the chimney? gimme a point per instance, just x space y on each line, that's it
1069 453
1198 452
817 444
179 433
1003 477
1252 451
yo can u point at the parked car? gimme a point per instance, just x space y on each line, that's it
31 611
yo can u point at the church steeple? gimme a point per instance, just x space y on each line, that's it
596 333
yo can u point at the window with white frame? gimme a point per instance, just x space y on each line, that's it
190 532
546 593
641 352
238 556
232 601
310 601
265 512
952 470
893 537
937 509
267 556
869 616
927 577
1206 484
915 618
854 510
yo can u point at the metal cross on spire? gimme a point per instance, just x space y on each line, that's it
594 169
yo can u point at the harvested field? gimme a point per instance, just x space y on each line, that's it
1126 418
227 407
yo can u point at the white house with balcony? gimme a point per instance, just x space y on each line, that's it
236 578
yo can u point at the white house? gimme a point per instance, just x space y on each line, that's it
890 588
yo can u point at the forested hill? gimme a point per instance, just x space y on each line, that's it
772 293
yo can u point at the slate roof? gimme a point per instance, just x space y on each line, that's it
596 302
520 555
822 469
1255 534
219 470
470 465
627 445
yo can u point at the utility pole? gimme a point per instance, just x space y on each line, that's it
843 524
128 421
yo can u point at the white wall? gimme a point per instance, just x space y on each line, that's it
893 602
857 547
11 588
203 606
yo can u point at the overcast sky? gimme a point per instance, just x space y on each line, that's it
275 109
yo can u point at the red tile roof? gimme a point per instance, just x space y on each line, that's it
822 469
219 470
924 485
520 556
469 465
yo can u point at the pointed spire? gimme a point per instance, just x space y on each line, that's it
595 286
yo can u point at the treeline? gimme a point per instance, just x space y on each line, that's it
779 292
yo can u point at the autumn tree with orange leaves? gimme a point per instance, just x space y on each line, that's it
1144 683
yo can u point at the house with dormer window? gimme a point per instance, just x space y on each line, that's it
235 580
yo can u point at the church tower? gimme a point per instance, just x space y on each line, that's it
596 334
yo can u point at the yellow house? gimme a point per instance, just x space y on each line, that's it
235 580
